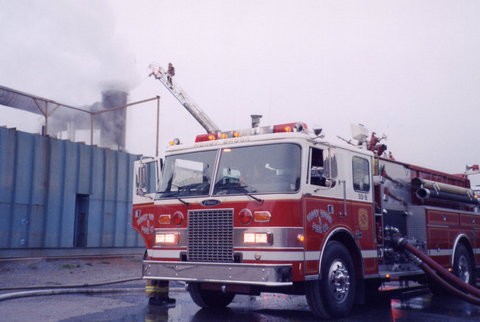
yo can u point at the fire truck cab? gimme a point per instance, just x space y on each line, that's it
280 209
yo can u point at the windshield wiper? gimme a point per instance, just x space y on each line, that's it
249 191
259 200
183 201
231 188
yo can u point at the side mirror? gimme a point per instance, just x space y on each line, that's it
330 183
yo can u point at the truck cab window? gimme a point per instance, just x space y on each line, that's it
317 170
323 168
361 174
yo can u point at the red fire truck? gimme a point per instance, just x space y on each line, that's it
280 209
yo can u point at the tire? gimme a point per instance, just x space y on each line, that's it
463 265
209 298
333 296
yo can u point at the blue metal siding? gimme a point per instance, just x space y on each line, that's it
55 193
7 161
85 158
40 178
95 223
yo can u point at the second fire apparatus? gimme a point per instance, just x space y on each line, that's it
280 209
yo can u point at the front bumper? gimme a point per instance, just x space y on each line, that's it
231 273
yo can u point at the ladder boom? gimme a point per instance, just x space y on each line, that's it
159 73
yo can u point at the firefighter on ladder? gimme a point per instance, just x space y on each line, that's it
170 74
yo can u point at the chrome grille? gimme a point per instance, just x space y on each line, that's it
210 236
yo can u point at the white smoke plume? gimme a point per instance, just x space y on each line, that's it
67 51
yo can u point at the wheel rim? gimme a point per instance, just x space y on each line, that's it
339 280
463 269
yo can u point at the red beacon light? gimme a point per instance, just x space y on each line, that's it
206 137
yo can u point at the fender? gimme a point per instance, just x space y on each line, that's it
349 244
456 242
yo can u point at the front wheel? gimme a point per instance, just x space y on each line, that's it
333 295
208 298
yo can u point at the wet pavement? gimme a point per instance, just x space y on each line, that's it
268 307
128 303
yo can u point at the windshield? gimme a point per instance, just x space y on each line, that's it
259 169
187 174
273 168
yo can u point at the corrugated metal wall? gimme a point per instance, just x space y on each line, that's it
61 194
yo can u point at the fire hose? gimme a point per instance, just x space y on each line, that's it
74 289
71 286
440 275
15 295
68 289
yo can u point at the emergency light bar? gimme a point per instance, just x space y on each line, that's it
279 128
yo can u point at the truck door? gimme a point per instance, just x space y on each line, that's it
362 217
323 203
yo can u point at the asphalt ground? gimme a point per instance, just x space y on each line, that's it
37 272
127 302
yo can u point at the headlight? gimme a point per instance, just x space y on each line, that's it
258 238
166 239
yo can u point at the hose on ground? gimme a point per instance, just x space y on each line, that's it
70 286
440 275
449 277
10 296
78 290
448 287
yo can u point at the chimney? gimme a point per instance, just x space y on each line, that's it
113 123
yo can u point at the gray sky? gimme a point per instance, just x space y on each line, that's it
409 69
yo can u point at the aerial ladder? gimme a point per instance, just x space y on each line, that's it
160 74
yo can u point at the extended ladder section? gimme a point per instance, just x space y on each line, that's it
159 73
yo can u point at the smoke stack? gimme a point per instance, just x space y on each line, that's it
112 123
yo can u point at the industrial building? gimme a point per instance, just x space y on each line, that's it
59 196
